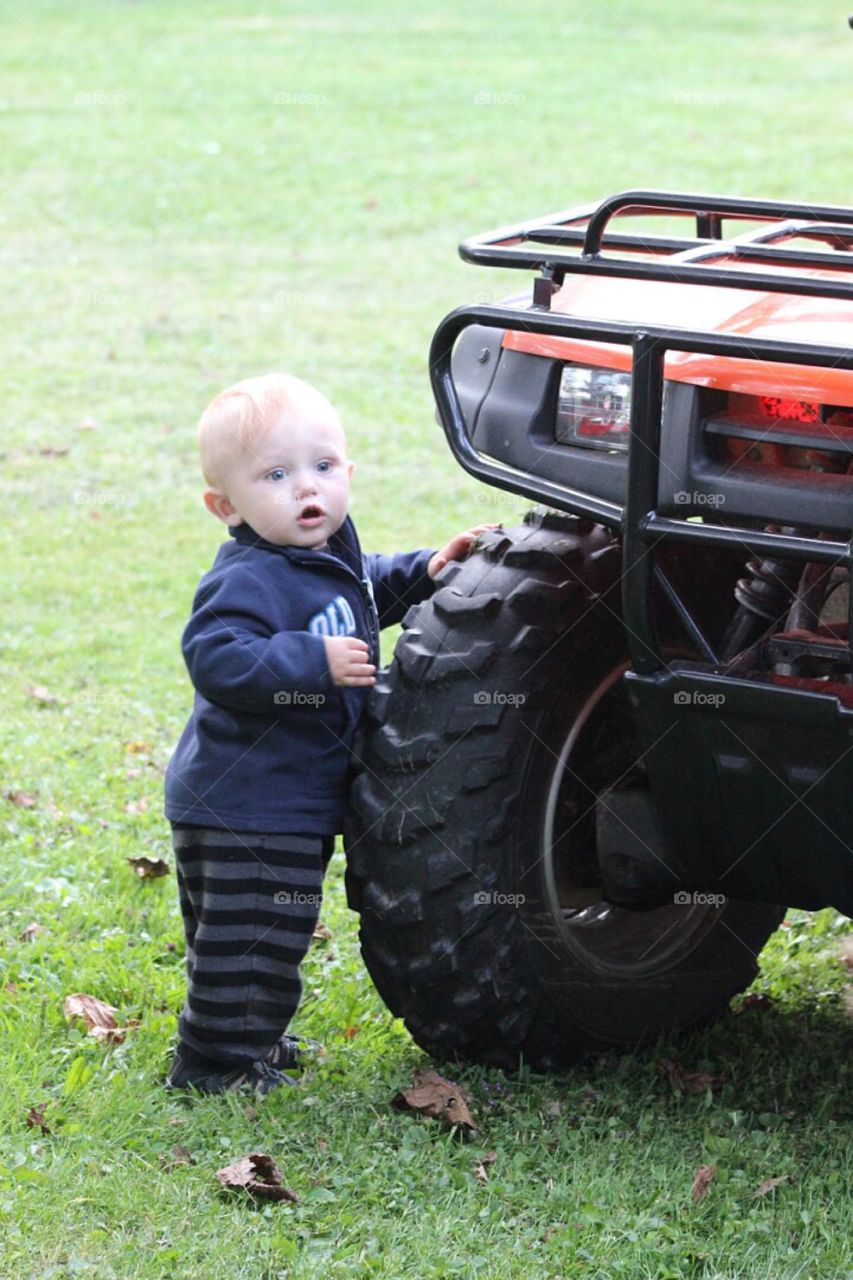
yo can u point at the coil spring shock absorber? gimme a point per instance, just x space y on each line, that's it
764 598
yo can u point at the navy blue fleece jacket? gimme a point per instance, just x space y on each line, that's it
267 747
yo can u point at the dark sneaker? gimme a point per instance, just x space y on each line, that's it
289 1052
286 1053
260 1076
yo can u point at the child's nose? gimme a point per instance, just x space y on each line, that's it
305 484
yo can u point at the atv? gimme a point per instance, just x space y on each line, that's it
617 742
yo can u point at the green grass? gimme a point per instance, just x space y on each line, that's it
190 193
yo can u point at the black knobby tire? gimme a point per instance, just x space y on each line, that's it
470 839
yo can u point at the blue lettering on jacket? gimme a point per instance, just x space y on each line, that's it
336 619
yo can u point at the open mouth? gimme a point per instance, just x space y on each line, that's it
311 512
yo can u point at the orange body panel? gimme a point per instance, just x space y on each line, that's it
785 317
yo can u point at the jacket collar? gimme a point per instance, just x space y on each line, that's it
342 546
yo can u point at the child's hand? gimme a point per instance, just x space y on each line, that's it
348 660
458 548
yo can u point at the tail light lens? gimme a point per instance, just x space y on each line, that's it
593 408
779 432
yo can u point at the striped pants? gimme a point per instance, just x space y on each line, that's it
250 903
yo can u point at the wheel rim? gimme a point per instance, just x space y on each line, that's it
606 939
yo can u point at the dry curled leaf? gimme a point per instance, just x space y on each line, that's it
138 748
481 1168
258 1175
35 1118
322 931
149 868
689 1081
21 799
98 1017
755 1000
847 953
351 1032
135 807
768 1185
42 695
702 1180
434 1096
31 932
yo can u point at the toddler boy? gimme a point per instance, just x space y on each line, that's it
281 647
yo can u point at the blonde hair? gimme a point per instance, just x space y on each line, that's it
239 416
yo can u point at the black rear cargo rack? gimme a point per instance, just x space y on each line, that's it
585 226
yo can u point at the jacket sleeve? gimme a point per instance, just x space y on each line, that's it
236 661
399 581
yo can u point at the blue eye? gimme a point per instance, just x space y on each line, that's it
324 465
277 473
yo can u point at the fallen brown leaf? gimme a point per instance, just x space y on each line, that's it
554 1110
434 1096
768 1185
138 748
35 1118
259 1175
322 931
688 1081
98 1017
53 450
481 1168
847 953
149 868
351 1032
21 799
31 932
755 1000
42 695
135 807
702 1180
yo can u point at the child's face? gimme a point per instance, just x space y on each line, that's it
292 486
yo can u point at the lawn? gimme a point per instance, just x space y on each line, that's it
190 193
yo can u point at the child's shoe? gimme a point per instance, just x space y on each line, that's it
191 1071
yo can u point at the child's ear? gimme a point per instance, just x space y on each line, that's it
219 505
350 469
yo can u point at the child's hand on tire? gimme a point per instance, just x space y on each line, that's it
458 548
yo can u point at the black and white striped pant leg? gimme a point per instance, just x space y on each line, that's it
255 900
